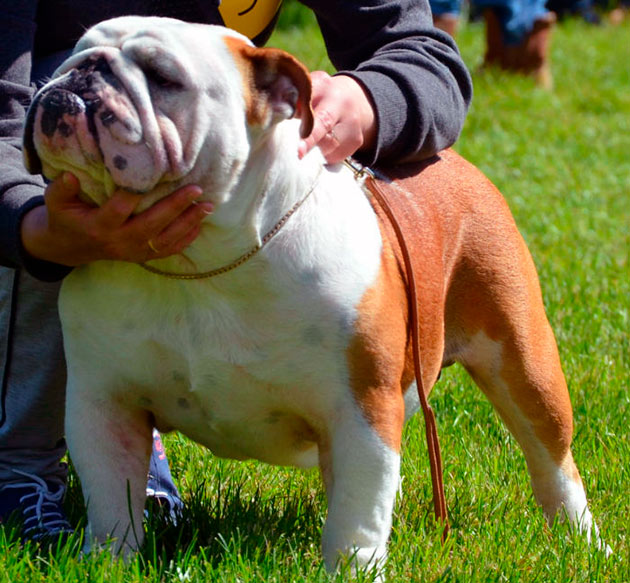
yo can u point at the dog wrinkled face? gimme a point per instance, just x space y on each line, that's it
136 107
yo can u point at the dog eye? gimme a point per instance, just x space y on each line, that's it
158 79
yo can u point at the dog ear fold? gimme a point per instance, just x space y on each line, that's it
279 86
32 161
287 84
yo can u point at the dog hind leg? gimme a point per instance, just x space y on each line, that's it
520 373
496 327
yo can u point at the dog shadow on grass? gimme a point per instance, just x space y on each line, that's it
230 519
235 525
236 522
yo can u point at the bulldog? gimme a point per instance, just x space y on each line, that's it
282 333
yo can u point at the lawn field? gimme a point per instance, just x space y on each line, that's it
562 160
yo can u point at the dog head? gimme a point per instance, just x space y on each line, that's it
150 104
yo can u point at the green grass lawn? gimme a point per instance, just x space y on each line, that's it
562 160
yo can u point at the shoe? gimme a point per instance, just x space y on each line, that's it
529 57
590 16
161 490
495 47
37 504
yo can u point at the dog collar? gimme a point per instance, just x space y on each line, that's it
247 255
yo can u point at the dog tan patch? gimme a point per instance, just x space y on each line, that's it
494 290
474 275
379 367
261 69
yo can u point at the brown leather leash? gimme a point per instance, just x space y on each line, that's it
368 177
371 182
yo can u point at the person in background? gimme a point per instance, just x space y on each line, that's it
402 94
619 13
518 33
584 9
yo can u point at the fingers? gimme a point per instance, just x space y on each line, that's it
344 120
71 232
117 209
172 244
325 110
156 218
174 236
62 190
336 141
341 141
167 227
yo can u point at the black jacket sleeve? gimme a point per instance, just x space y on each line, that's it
413 73
418 83
19 191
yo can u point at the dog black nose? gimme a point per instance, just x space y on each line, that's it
55 104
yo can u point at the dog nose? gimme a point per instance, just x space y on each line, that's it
56 104
107 102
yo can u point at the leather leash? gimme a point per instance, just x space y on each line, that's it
369 178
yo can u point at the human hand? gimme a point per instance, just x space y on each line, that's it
68 231
344 118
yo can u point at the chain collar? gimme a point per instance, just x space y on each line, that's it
243 258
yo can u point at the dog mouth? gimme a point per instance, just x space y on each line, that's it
86 122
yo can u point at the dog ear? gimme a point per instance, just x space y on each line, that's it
32 161
278 86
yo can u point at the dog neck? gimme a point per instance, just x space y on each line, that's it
268 185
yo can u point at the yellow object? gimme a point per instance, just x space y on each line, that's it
249 17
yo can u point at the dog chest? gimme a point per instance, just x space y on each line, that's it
253 376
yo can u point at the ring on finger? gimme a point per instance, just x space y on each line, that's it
152 246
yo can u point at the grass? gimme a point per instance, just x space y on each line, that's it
562 160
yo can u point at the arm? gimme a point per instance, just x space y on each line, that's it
69 232
48 229
410 72
19 192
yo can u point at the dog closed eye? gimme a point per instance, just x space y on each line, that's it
159 79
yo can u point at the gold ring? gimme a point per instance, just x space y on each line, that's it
152 246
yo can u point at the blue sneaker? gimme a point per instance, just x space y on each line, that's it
38 506
160 486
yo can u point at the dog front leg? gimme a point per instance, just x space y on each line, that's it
110 448
361 473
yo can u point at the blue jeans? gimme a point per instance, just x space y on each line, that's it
33 386
516 17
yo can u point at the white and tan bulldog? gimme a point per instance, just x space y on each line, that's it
290 341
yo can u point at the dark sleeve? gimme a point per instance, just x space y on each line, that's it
19 191
418 83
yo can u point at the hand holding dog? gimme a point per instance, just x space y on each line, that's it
344 117
68 231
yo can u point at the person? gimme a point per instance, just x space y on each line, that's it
402 93
584 9
619 13
518 33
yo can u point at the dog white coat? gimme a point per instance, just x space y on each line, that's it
300 355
